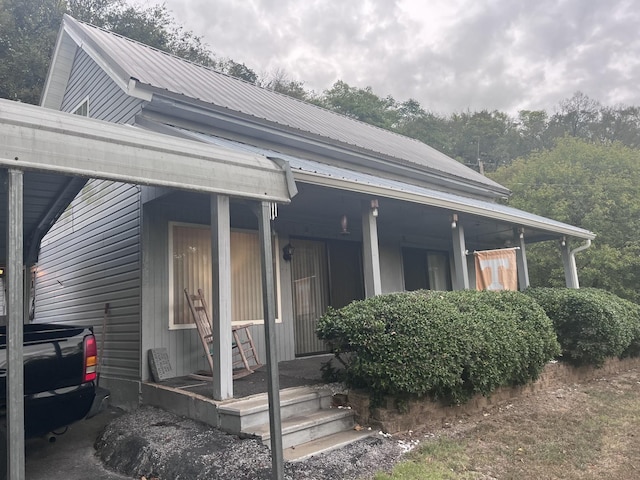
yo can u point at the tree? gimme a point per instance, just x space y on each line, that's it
592 186
279 81
28 30
483 137
576 117
361 104
238 70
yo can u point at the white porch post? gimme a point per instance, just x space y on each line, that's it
371 257
521 261
269 308
15 320
221 298
569 263
459 255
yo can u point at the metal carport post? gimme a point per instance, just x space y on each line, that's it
15 311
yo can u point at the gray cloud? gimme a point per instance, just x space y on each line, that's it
450 56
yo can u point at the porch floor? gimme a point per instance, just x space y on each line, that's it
293 373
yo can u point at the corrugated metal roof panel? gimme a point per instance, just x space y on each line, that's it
166 72
423 195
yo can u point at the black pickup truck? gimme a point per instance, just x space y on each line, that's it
60 373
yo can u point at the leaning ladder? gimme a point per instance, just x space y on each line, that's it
245 358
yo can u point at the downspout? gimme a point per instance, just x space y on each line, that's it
572 260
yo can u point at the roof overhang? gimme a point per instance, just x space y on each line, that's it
317 173
59 151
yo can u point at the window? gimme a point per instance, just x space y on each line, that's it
82 109
190 268
424 269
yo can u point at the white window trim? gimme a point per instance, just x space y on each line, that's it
80 104
189 326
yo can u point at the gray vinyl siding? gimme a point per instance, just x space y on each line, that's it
185 350
91 257
107 101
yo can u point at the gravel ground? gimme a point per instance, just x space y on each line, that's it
153 443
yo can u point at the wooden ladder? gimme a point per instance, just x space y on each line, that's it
244 356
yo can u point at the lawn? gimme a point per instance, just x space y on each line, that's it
588 431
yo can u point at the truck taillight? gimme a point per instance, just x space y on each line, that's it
90 359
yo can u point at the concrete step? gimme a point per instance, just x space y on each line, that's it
324 444
236 416
306 428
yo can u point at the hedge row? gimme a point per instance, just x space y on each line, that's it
448 345
592 325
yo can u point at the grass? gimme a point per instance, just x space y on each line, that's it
580 432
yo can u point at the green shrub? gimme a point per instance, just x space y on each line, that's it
591 324
448 345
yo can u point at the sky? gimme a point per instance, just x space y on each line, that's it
450 55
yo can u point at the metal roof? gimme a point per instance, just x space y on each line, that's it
134 65
310 171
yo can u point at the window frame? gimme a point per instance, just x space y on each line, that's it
77 109
170 270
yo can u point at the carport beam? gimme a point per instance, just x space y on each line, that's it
15 311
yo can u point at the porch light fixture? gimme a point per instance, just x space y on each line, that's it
287 252
374 207
344 224
454 220
563 242
1 271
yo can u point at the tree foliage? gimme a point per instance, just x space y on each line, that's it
593 186
28 30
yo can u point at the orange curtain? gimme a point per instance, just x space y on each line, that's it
496 269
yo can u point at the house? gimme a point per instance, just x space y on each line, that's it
366 212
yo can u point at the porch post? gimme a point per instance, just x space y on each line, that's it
569 263
221 298
459 255
521 261
15 320
371 257
269 309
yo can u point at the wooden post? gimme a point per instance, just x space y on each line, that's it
371 260
221 297
459 255
521 261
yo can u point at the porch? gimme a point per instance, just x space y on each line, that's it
310 422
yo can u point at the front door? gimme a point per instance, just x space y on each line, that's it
310 293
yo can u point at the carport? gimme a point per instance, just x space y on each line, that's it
45 159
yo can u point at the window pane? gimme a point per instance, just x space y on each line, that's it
191 268
191 257
246 277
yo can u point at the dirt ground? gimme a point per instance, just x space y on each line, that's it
581 431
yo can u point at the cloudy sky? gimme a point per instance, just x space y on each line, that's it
450 55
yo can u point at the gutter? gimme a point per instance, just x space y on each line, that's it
572 262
